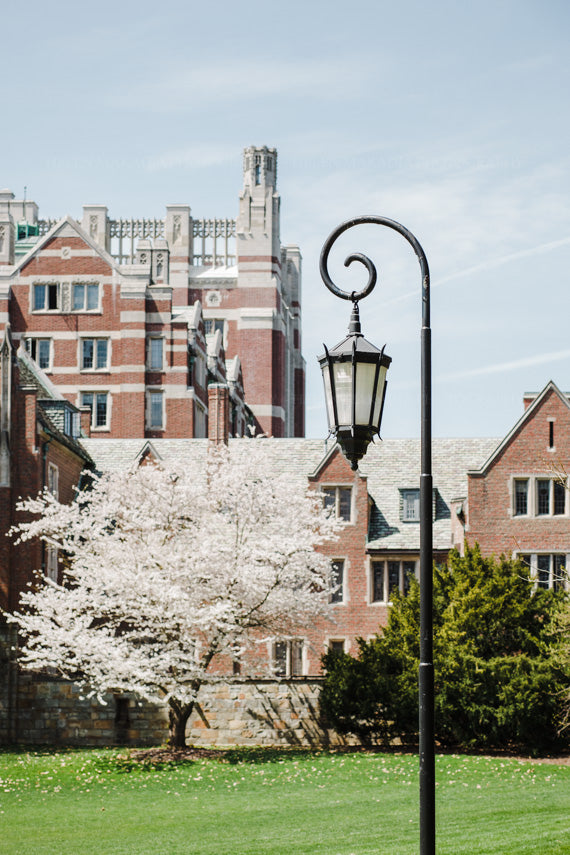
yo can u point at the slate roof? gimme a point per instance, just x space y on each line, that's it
389 466
394 464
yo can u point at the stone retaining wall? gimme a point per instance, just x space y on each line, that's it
44 710
260 712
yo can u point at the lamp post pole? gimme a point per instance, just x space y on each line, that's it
426 673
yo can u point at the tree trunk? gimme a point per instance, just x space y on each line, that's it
178 719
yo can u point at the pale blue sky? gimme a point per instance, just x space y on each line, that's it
447 116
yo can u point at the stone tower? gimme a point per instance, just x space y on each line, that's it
268 329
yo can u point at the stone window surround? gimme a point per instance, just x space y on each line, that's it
151 394
108 404
531 558
339 489
385 560
62 291
95 368
31 343
532 480
294 659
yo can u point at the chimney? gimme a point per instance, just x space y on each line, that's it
529 398
218 413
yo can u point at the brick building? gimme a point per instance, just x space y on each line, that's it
518 500
135 317
501 493
39 448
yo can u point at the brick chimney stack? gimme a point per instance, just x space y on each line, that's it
85 421
218 413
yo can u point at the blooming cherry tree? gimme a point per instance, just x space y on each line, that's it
165 572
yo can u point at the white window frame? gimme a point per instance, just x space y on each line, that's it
385 561
84 308
95 393
95 368
47 286
32 343
151 395
337 490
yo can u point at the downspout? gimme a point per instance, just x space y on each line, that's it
45 449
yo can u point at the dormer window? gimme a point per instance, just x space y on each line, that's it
410 505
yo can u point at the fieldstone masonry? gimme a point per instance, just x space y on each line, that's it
261 712
52 711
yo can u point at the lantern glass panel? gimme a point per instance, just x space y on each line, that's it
328 395
365 374
379 395
342 372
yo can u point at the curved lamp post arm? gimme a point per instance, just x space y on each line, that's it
426 673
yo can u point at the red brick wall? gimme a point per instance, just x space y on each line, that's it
491 522
356 616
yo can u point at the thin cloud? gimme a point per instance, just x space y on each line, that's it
187 87
504 367
492 264
506 259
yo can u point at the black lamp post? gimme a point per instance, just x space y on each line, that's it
354 374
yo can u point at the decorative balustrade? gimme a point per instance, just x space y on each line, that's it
213 240
211 233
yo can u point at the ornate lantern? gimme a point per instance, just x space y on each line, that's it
354 374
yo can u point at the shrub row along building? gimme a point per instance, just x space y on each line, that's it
115 352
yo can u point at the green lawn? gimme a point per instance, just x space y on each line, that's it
81 803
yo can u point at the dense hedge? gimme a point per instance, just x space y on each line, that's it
500 680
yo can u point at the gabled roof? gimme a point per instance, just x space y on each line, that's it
63 227
526 416
188 314
147 452
332 448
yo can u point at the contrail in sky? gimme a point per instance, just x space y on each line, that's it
501 367
489 265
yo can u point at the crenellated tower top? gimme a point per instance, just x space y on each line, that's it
259 169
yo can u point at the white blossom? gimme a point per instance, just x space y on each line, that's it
165 571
